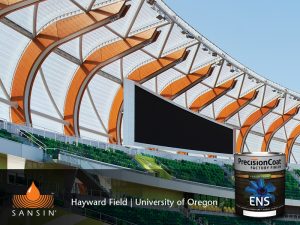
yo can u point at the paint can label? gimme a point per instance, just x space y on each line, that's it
259 184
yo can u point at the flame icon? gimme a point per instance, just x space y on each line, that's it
33 199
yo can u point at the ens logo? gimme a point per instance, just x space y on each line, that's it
33 199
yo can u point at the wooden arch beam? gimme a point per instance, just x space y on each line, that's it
252 120
228 111
91 65
140 75
212 95
9 6
45 42
276 125
290 142
182 84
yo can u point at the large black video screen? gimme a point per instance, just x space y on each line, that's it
159 122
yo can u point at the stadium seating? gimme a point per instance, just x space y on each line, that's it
297 172
228 220
199 172
292 190
5 134
282 222
229 167
238 220
110 156
146 216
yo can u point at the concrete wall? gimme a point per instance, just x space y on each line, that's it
20 150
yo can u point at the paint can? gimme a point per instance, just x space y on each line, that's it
259 183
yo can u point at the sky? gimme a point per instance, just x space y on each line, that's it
264 35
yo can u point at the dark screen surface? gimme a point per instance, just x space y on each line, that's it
159 122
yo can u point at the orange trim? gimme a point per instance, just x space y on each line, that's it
276 125
253 119
45 42
114 115
178 86
290 142
212 95
182 153
142 74
150 70
9 6
236 106
10 2
91 65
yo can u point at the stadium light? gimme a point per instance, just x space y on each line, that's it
214 54
205 48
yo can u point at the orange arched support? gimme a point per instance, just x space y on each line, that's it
91 65
45 42
152 69
9 6
212 95
253 119
236 106
142 74
290 142
276 125
182 153
179 86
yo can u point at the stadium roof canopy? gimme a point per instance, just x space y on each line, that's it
63 62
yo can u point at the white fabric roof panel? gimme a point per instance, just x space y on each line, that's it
186 64
180 100
281 134
221 103
84 3
12 45
157 46
195 91
103 93
46 124
146 17
87 115
58 74
134 61
269 119
201 57
166 78
151 84
211 80
53 10
4 112
23 17
176 40
96 39
113 69
208 111
72 47
40 100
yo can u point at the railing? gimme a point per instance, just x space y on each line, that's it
102 217
33 139
44 132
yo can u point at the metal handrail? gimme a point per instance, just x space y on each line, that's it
100 217
32 139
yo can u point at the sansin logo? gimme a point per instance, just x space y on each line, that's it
32 202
